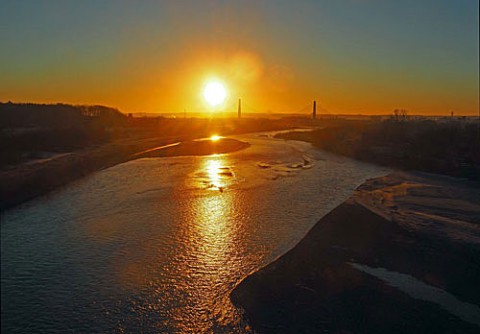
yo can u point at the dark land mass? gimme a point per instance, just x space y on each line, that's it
46 146
422 225
450 147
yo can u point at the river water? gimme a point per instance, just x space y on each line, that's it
156 245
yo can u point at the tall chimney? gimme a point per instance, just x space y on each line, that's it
314 114
239 108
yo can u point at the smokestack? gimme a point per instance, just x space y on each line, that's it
314 114
239 108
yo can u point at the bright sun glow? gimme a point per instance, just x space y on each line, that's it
215 137
214 93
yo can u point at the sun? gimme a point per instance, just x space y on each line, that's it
215 93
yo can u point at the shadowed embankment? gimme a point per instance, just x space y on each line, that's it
416 224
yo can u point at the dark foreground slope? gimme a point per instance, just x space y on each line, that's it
422 226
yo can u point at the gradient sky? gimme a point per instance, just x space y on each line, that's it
353 56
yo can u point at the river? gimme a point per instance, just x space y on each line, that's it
156 245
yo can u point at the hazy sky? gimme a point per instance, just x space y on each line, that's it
353 56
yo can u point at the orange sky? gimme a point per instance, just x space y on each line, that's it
276 56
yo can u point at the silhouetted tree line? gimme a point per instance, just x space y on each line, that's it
28 127
400 115
23 115
451 148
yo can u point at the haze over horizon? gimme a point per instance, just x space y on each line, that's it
358 56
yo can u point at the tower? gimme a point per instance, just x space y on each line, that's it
239 108
314 113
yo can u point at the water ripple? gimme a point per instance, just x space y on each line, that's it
157 245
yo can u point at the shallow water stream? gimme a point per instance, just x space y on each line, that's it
156 245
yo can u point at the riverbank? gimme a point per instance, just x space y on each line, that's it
448 148
400 256
30 180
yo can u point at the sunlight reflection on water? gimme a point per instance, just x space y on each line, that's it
211 261
214 173
157 245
